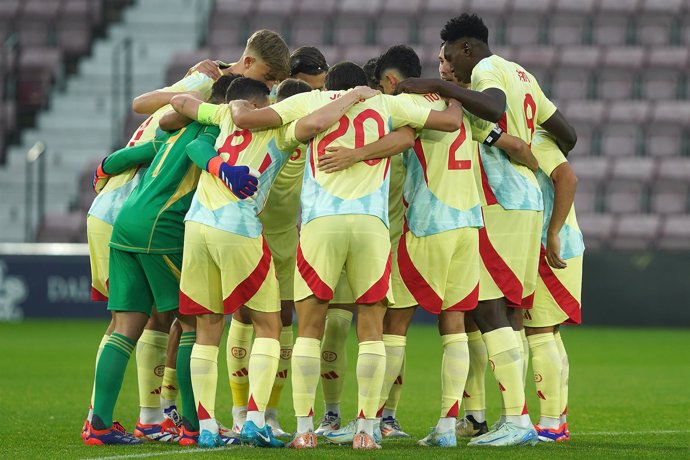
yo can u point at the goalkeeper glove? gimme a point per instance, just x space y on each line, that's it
241 180
100 178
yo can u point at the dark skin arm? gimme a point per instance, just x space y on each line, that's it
562 132
488 105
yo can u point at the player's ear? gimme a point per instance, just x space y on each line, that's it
248 61
392 80
467 49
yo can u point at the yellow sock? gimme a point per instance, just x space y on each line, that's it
395 356
286 340
504 352
371 367
475 388
565 375
104 339
454 369
334 354
263 364
547 367
169 387
522 341
152 348
305 375
239 346
204 369
394 395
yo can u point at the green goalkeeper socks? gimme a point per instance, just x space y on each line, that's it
184 380
109 375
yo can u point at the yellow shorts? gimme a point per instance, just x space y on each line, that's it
509 249
441 271
283 247
98 234
221 271
359 244
557 299
343 293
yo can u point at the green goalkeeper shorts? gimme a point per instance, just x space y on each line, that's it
138 281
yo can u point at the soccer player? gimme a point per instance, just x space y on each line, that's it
503 92
112 193
559 286
423 266
308 64
279 221
279 218
146 247
344 225
227 262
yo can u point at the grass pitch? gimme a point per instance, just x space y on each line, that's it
628 398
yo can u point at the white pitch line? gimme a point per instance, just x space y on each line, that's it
199 450
628 433
155 454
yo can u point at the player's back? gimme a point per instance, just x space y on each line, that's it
526 105
266 151
151 219
362 188
440 186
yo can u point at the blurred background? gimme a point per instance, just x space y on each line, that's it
618 69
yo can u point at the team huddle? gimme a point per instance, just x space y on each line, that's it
278 186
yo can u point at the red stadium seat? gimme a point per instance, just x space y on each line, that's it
308 30
620 140
664 140
394 29
407 7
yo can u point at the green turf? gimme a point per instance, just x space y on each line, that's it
625 385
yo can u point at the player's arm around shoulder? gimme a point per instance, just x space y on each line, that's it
448 120
517 150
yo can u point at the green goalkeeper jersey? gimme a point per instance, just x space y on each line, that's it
152 219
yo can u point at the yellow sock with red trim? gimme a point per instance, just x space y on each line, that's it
454 368
565 375
504 354
263 364
204 369
305 375
239 346
286 343
151 352
395 356
547 367
334 356
371 367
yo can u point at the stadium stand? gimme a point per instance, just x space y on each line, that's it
617 68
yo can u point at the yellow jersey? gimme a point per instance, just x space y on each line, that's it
364 187
265 150
512 185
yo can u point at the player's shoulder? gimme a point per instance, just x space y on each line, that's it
429 100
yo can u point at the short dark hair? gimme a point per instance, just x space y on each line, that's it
345 75
465 26
369 69
309 60
401 58
219 90
290 87
246 88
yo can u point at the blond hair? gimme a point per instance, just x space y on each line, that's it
270 48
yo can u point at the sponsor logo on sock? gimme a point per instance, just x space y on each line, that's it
238 352
159 370
538 378
285 353
241 373
329 356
